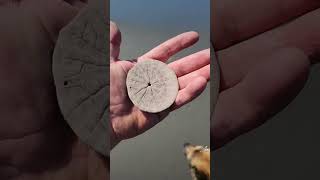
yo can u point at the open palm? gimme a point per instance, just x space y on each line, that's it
193 72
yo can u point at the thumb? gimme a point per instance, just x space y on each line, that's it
265 90
115 41
55 14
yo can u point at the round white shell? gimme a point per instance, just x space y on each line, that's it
152 86
80 70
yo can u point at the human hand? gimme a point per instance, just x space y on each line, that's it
193 72
264 49
35 141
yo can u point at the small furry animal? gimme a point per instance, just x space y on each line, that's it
199 161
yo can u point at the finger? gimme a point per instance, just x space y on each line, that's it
186 79
115 41
190 92
234 21
191 63
165 50
55 15
265 90
301 33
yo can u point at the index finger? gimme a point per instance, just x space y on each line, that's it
170 47
236 20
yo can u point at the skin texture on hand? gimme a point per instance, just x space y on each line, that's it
193 72
264 60
35 141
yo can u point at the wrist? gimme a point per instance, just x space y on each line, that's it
114 140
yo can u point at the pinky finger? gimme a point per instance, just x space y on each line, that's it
190 92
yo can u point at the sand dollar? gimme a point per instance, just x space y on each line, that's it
152 86
80 69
